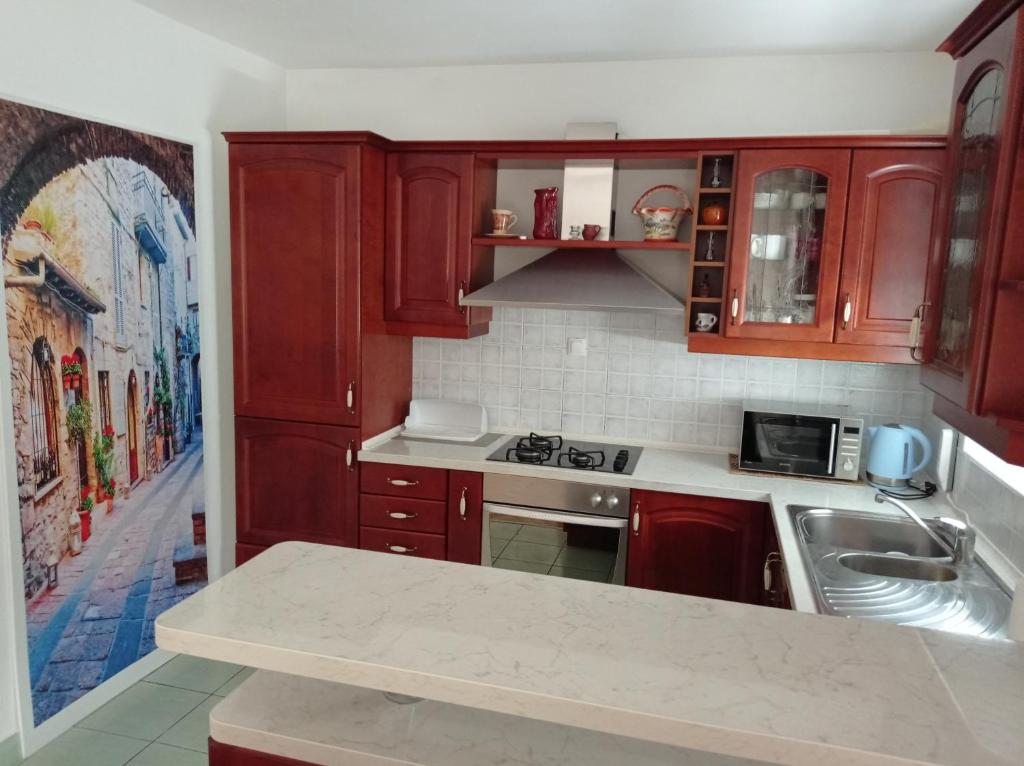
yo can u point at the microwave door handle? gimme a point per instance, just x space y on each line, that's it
832 452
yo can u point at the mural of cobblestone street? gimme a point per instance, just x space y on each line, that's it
99 619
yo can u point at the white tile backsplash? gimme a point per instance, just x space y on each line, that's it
638 379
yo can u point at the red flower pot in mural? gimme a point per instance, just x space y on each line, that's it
76 381
67 382
86 518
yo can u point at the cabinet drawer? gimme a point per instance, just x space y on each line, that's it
402 542
410 514
404 481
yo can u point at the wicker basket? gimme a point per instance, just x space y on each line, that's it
661 224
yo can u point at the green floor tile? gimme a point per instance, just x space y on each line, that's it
522 566
144 711
234 682
165 755
193 730
586 558
95 748
504 530
579 574
534 553
545 535
194 673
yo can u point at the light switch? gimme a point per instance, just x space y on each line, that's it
577 347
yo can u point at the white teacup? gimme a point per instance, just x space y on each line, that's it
705 322
503 221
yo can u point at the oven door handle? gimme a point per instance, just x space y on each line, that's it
832 451
580 519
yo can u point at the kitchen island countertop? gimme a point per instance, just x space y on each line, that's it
739 680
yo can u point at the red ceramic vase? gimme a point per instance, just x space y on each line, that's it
545 213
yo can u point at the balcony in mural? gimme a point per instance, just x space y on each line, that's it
150 227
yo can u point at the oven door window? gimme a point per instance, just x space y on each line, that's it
798 444
556 546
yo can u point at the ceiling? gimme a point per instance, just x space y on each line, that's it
398 33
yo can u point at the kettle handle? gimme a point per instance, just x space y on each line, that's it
926 448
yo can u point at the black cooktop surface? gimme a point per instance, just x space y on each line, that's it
556 452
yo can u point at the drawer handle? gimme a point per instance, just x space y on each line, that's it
462 504
400 548
402 515
402 483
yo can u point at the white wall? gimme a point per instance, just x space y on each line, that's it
116 62
738 96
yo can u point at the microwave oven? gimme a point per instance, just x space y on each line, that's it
821 441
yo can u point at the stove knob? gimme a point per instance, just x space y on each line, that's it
612 502
595 499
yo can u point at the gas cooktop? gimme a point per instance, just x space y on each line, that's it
556 452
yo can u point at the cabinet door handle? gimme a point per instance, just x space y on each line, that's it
350 397
402 483
767 572
462 503
636 519
734 307
462 294
917 333
402 515
847 311
400 548
350 456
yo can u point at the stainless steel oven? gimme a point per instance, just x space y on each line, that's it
803 440
548 526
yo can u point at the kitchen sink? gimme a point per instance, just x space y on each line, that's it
885 567
863 533
894 566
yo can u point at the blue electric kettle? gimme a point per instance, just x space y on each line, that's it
891 460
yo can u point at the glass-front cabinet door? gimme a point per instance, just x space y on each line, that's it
784 265
975 148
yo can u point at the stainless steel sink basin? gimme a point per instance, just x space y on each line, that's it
884 567
894 566
876 534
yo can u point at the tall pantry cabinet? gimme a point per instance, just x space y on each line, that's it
315 373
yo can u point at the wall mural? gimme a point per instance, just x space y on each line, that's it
101 292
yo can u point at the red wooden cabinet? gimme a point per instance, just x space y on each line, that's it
891 234
295 481
295 281
465 516
976 289
435 203
698 546
787 240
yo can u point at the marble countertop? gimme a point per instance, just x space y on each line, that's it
731 679
689 472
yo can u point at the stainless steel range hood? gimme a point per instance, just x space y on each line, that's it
596 280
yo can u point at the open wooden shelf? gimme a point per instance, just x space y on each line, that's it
580 244
705 300
713 190
707 227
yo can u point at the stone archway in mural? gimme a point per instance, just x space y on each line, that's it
40 145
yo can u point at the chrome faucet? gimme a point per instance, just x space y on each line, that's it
962 550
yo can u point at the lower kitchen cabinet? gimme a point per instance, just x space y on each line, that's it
244 552
698 546
296 481
465 516
403 542
229 755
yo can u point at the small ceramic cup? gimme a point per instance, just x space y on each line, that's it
705 322
591 230
503 221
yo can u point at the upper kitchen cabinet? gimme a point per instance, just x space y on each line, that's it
975 317
787 244
435 202
890 238
831 247
295 280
